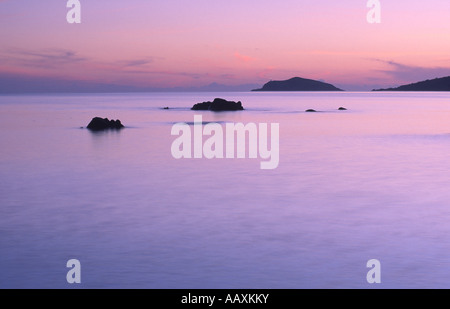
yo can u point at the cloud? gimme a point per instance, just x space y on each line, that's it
46 59
69 64
410 73
136 62
243 58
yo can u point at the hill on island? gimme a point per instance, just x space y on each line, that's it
298 84
437 84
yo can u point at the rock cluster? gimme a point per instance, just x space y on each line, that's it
218 105
100 124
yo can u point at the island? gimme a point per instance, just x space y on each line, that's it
437 84
298 84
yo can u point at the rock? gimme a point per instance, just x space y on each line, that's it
311 111
218 105
342 109
165 108
99 124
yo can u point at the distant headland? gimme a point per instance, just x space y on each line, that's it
298 84
437 84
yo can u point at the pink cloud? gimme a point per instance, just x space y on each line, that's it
243 58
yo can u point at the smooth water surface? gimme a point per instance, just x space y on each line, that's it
371 182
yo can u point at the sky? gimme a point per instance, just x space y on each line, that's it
174 43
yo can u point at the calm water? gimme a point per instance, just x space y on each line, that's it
368 183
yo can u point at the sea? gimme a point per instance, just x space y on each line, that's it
371 182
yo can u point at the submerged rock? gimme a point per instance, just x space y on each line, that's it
218 105
342 109
99 124
311 111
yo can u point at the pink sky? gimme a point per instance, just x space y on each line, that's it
166 43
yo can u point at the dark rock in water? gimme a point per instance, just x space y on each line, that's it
165 108
99 124
218 105
311 111
342 109
201 106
